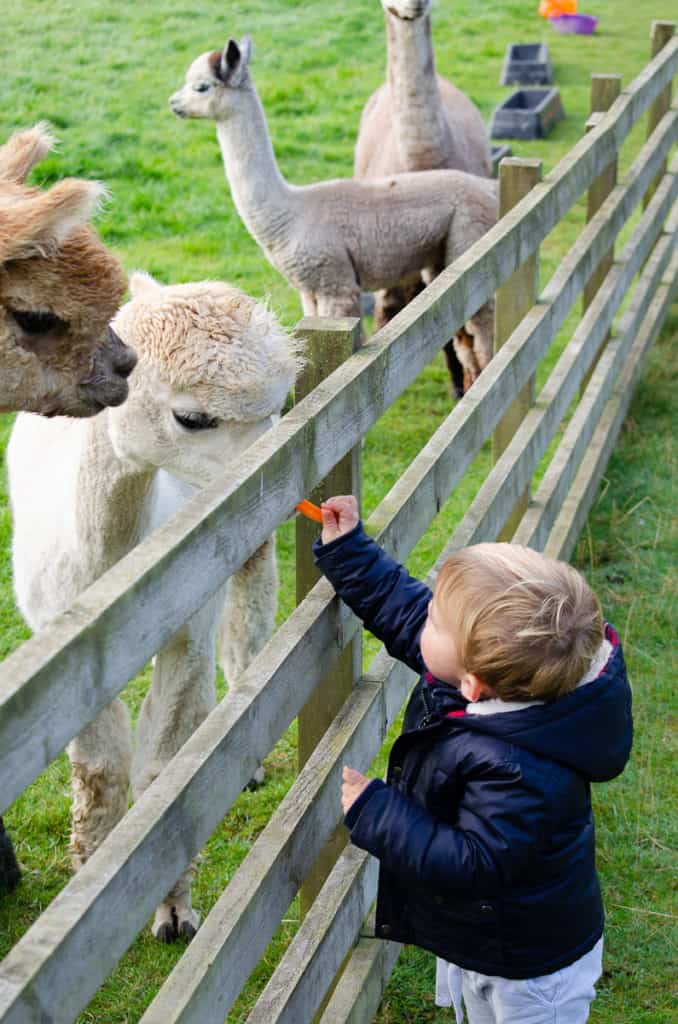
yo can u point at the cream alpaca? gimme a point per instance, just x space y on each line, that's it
335 237
59 288
214 370
418 121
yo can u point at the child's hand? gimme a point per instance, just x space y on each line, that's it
340 515
353 785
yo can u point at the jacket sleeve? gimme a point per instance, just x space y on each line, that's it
392 604
424 850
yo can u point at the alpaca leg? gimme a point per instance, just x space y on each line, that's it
342 304
308 304
100 764
469 224
249 617
389 302
9 868
455 368
180 697
249 611
463 347
481 329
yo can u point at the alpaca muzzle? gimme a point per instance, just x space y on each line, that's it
112 364
176 106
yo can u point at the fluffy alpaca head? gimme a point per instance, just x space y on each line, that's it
407 10
211 80
59 289
215 367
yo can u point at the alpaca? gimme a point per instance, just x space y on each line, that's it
59 289
333 238
214 370
418 121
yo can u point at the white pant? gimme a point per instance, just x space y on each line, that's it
563 997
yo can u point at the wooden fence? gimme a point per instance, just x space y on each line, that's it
58 681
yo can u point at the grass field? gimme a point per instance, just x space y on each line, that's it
101 73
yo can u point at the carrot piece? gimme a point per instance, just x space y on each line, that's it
311 511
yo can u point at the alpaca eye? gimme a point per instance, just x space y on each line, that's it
196 420
37 322
201 87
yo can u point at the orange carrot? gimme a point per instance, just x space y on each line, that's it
311 511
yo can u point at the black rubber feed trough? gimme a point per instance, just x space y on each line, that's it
527 114
527 64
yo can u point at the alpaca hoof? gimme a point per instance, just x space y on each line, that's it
9 867
173 922
256 779
166 933
187 922
187 930
10 873
458 392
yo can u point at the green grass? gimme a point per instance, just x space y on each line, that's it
102 73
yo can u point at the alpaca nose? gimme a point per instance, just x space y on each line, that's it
123 358
175 105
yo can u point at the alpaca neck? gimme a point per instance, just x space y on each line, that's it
421 129
111 499
260 193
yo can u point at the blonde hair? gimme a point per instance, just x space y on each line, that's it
526 625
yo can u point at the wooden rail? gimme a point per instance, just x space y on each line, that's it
59 680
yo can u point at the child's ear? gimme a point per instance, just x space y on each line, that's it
475 689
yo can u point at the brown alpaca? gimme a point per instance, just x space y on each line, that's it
59 289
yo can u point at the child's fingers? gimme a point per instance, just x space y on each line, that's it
330 516
343 504
339 500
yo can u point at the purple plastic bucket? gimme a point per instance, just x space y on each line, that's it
582 24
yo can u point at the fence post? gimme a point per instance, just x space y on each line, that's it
661 33
515 297
328 344
604 91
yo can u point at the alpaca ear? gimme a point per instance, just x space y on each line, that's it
141 283
23 151
235 60
246 51
38 224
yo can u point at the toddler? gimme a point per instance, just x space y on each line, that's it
483 828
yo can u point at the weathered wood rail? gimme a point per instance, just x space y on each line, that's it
59 680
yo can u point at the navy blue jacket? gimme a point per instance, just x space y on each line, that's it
483 829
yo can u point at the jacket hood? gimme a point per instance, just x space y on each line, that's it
589 730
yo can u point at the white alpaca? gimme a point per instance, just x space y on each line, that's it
334 238
214 370
419 121
59 288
